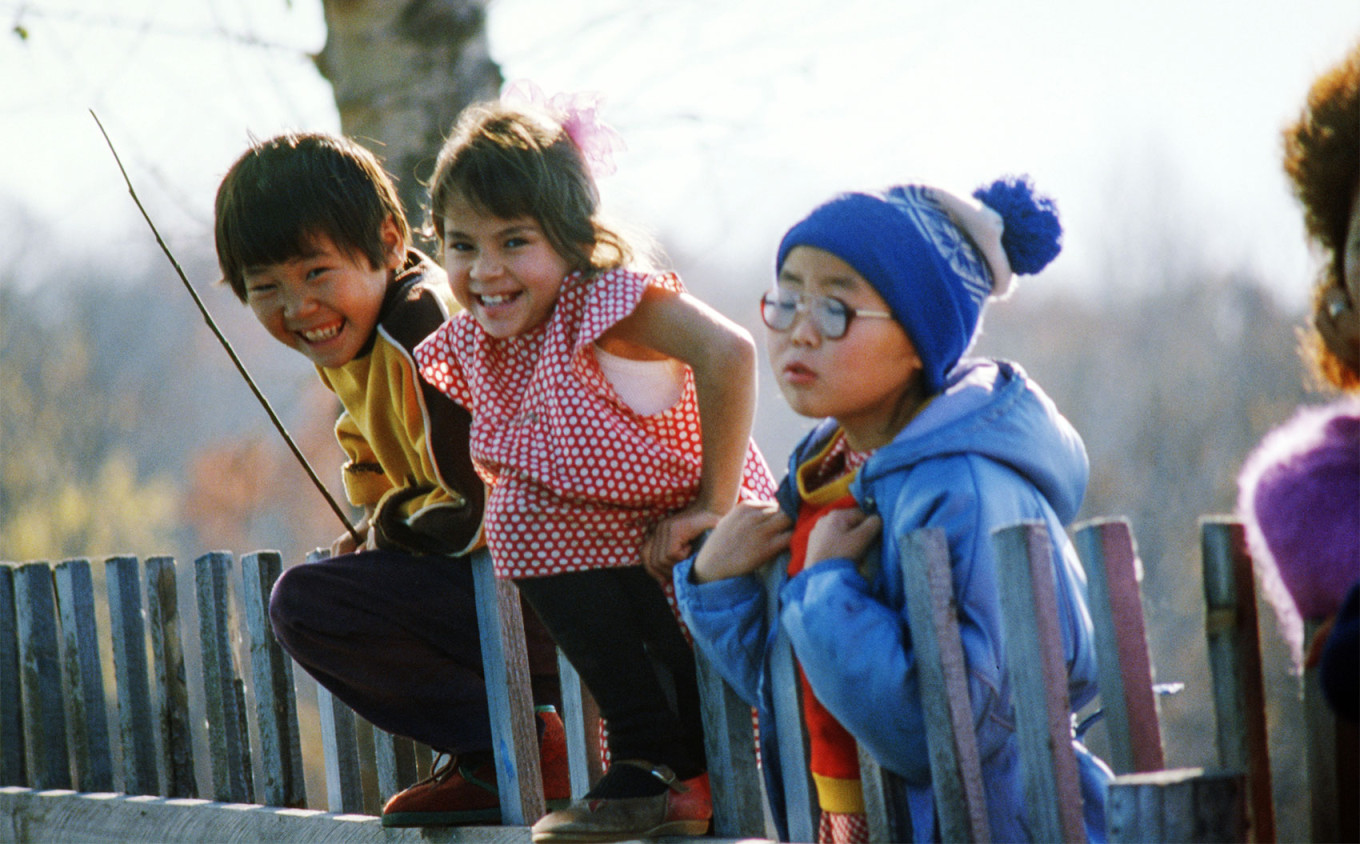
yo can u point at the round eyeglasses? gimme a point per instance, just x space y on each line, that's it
779 309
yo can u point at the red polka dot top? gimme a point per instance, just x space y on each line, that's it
576 477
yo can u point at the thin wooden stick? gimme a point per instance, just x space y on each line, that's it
240 367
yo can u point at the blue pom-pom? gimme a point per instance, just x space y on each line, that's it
1033 235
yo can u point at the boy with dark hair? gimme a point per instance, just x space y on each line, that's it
310 234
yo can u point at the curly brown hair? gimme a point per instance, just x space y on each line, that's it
1322 161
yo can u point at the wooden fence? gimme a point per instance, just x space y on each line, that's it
66 778
64 775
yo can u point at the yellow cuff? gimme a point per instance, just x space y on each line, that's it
838 795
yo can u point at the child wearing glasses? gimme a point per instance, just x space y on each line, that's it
877 298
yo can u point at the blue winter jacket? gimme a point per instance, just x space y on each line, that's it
987 452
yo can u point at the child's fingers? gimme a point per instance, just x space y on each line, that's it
765 517
761 526
763 511
751 534
654 548
846 520
660 570
868 527
774 534
842 533
666 545
344 544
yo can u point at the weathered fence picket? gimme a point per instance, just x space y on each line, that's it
1235 663
729 736
580 719
43 704
1331 775
1114 573
394 757
339 731
340 740
1181 805
514 736
800 793
167 651
1038 675
11 718
955 767
130 670
89 726
275 702
230 747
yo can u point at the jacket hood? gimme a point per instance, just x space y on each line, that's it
989 408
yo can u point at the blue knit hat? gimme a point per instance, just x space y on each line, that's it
935 258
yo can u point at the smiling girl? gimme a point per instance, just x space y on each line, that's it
588 382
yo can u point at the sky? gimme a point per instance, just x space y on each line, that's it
739 115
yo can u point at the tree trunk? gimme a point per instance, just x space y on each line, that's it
401 72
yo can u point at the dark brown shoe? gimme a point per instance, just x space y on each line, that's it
684 808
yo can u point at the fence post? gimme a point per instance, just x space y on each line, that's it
1235 661
11 699
44 713
129 660
885 805
729 743
581 722
1334 813
514 735
275 700
1114 574
84 676
395 759
800 794
1181 805
230 748
1038 677
951 738
172 686
339 742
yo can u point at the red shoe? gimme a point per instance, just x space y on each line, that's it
461 792
684 808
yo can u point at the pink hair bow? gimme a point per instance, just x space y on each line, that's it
596 140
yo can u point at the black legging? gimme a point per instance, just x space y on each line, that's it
619 633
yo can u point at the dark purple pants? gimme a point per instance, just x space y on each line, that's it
394 636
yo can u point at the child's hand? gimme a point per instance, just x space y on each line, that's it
345 544
669 542
842 533
749 536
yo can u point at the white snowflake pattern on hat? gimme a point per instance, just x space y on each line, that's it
919 204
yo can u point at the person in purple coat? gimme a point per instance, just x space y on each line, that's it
1299 491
